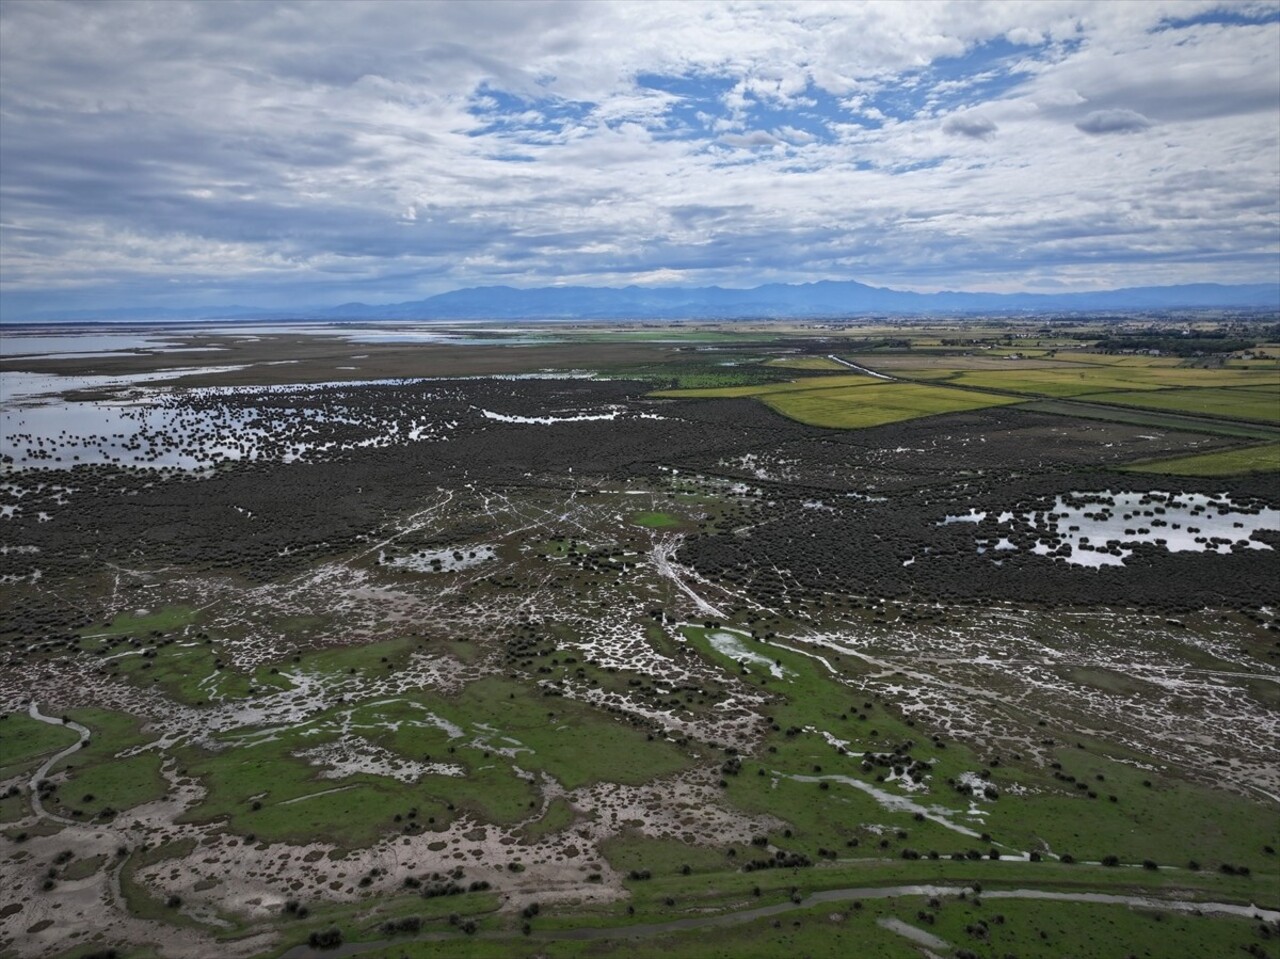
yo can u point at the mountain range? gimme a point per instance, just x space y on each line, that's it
772 301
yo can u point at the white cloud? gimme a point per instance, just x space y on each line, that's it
429 146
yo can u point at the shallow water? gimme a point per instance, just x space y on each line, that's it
197 429
82 343
732 646
439 560
22 388
1102 528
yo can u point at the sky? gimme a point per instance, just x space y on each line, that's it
174 153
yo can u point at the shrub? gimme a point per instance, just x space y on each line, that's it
325 939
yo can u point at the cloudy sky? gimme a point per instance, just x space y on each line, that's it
284 153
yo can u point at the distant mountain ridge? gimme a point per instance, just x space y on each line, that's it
826 298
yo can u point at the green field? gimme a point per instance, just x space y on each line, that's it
1116 359
25 741
1167 821
100 778
1262 405
1264 458
879 404
264 784
807 363
847 927
1084 379
769 389
655 520
853 402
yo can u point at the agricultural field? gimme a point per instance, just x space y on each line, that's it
681 640
852 402
1244 403
1263 458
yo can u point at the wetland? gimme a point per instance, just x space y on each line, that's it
577 639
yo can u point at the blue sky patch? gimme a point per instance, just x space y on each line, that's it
1239 16
524 119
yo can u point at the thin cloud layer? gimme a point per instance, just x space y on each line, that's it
292 153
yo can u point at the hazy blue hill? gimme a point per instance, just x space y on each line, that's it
826 298
774 300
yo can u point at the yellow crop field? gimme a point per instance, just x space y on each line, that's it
1251 459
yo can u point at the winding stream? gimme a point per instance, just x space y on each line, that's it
37 806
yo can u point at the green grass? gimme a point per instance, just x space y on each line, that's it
879 404
83 868
572 742
1171 821
1264 458
161 649
559 815
853 401
15 808
807 363
1032 929
1134 416
1114 360
809 703
1241 404
188 672
1028 929
655 520
139 898
168 620
1100 379
295 804
1053 382
25 741
99 771
768 389
694 372
661 857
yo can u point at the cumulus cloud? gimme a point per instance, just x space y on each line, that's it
1113 121
972 126
299 152
800 137
1024 37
